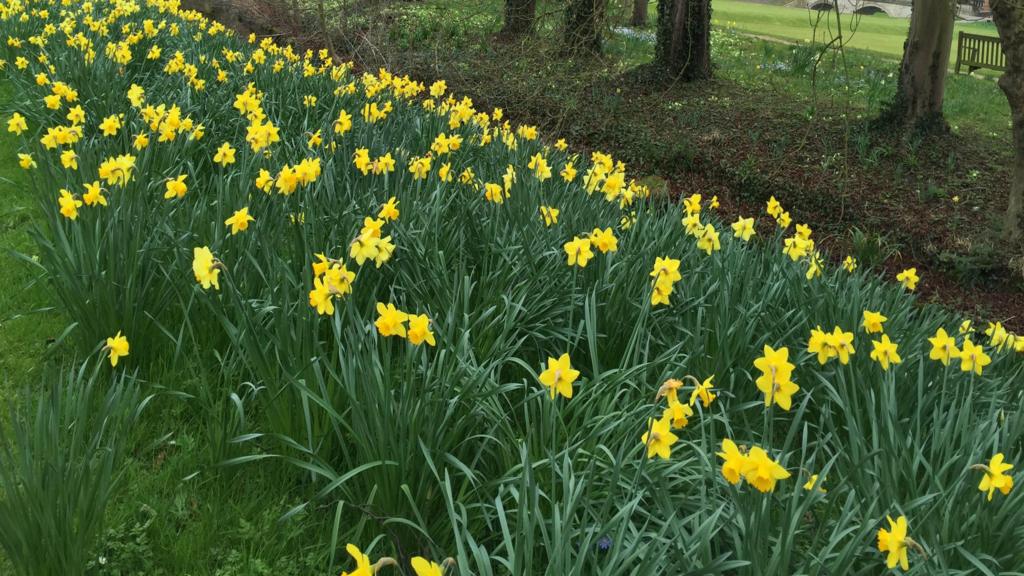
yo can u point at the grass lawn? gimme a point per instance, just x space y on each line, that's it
27 318
879 33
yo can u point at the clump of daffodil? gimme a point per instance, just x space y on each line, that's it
837 344
797 247
774 380
995 477
665 275
392 322
381 165
331 278
117 347
775 210
289 178
755 466
445 144
117 170
559 376
370 244
676 413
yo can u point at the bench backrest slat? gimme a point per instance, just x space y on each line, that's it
978 51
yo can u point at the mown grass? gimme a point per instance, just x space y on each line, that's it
29 320
878 34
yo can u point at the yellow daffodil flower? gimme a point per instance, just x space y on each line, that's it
659 438
559 376
774 380
995 477
117 347
390 320
884 352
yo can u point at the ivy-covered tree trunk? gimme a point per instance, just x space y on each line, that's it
922 82
583 19
639 17
1008 16
519 18
683 48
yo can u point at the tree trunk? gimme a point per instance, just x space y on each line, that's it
922 83
683 49
519 17
1008 16
639 14
583 20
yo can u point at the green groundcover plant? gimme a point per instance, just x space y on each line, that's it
481 352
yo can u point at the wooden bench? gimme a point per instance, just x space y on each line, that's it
976 51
